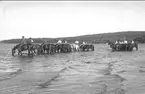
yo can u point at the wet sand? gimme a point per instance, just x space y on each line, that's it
94 72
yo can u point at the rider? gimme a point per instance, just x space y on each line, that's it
65 41
132 42
116 42
77 42
125 41
23 41
30 41
84 42
120 42
44 41
59 41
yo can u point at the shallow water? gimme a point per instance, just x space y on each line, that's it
94 72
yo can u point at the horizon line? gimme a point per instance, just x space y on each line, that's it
74 36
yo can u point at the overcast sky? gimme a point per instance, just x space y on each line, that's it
69 18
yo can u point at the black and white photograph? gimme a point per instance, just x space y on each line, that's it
72 47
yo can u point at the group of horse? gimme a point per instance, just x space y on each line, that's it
123 47
50 48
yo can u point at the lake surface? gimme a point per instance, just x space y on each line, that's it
94 72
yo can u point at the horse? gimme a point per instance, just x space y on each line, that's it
123 47
21 48
118 47
91 46
36 48
134 45
48 48
112 45
44 48
87 47
52 49
58 47
75 47
66 47
14 49
127 47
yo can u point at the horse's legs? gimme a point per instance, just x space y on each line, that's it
136 47
48 51
31 52
77 49
34 51
117 48
126 47
20 53
44 50
28 52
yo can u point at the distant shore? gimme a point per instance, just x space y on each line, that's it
138 36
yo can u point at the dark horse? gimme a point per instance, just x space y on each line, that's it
112 45
62 47
48 48
24 47
87 47
134 45
123 47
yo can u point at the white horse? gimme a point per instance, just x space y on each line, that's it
75 47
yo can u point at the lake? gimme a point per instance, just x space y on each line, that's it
94 72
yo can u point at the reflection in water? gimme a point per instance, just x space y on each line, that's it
26 59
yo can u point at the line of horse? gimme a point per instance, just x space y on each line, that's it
123 47
50 48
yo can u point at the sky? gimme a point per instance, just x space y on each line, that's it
51 19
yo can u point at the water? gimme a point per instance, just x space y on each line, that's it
94 72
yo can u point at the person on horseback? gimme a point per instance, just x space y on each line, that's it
23 41
22 45
120 42
65 41
84 42
45 41
125 42
132 42
116 42
77 42
59 41
30 44
30 41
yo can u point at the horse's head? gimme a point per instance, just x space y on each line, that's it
14 48
13 51
109 42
